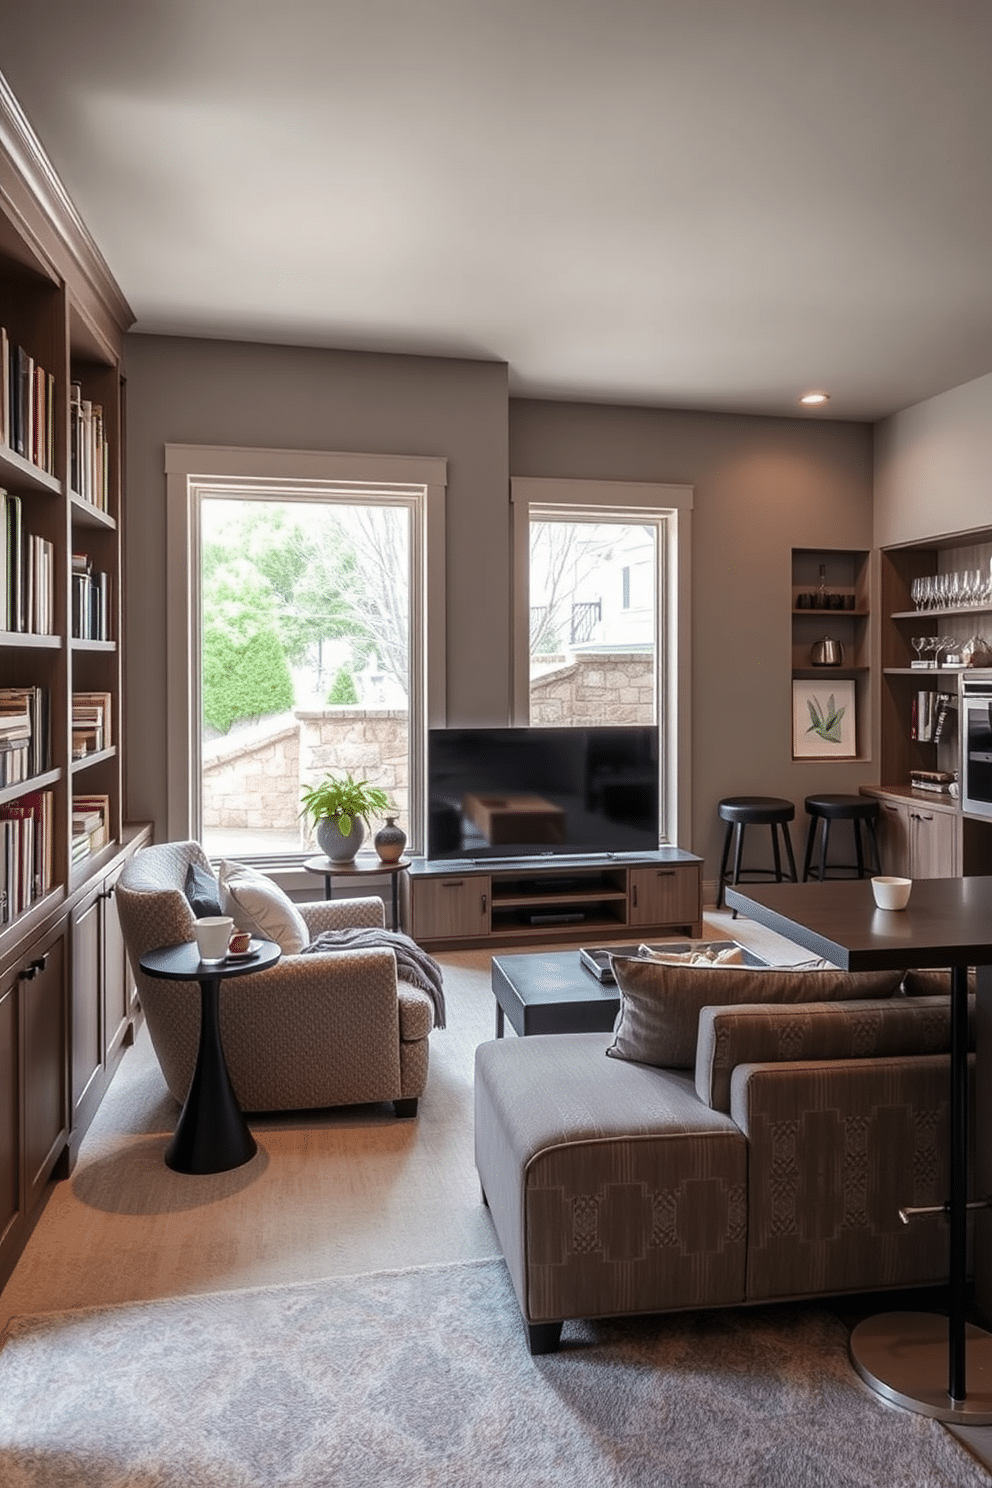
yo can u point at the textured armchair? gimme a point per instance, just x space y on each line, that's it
323 1029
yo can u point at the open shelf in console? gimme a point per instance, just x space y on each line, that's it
529 899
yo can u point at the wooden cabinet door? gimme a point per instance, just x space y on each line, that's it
934 843
450 907
87 1043
894 838
116 976
10 1109
664 894
43 1015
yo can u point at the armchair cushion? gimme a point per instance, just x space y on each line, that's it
258 905
660 1004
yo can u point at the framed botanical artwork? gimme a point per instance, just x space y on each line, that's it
824 725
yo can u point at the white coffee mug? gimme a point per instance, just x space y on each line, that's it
212 935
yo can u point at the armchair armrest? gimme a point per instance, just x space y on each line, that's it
770 1033
343 914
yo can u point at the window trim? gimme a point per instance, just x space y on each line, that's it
193 471
634 501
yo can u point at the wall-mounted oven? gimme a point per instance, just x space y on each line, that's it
976 743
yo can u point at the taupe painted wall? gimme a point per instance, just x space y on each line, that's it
933 466
238 393
762 487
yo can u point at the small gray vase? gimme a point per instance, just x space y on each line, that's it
390 841
334 845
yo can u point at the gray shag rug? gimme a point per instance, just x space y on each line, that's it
422 1377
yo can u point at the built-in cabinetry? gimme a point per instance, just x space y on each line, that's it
831 603
924 834
463 904
64 1003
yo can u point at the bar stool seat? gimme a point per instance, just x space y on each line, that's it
740 812
862 812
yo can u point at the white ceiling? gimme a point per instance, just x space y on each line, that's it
711 204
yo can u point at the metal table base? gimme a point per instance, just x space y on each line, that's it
903 1356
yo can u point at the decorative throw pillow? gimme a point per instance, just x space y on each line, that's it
659 1003
256 904
202 891
730 955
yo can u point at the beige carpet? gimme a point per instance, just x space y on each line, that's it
419 1379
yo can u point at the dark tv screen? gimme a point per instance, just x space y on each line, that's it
534 792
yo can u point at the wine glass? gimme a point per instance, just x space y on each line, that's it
918 643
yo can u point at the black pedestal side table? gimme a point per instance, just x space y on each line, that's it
212 1134
930 1364
328 869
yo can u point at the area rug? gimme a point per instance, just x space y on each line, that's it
422 1378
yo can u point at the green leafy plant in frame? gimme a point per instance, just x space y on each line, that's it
825 722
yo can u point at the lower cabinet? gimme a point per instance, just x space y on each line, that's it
34 1105
66 1013
451 907
101 1000
917 841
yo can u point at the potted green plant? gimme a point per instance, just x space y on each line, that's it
340 807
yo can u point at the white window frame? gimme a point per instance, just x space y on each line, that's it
194 472
669 508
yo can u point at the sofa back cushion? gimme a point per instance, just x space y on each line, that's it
660 1004
864 1029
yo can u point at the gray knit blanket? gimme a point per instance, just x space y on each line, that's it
413 965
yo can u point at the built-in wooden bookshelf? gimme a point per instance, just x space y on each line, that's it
65 1007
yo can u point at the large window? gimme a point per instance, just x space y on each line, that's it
601 573
305 613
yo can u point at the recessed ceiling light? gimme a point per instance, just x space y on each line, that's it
812 399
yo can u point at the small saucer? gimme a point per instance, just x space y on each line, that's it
254 946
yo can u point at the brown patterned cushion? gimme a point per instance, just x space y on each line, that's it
659 1004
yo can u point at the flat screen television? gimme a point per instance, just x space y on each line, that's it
541 792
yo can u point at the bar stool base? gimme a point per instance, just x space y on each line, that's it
904 1357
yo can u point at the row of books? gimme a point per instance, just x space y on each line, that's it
27 405
90 601
930 712
26 852
25 734
91 723
89 451
938 782
90 826
27 573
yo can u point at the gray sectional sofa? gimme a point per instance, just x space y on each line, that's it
773 1168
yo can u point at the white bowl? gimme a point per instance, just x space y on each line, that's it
891 893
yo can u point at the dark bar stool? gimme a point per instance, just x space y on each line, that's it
862 812
750 811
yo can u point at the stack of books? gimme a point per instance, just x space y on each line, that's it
90 601
90 825
90 723
24 733
26 852
88 449
939 782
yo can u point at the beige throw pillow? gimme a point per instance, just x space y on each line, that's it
731 955
659 1003
258 905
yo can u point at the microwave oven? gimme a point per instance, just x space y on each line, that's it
976 742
